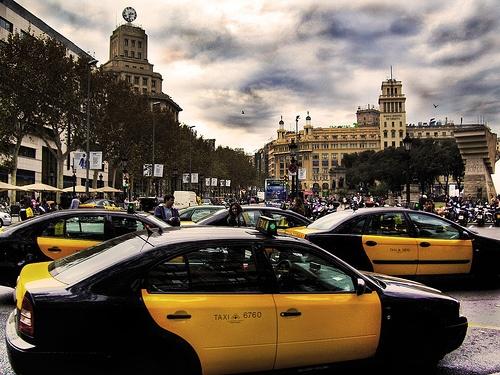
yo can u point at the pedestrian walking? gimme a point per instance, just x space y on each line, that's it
75 203
166 212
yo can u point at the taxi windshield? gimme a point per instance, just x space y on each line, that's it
82 264
331 220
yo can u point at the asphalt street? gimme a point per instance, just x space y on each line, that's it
478 355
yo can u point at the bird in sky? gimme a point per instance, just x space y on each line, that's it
242 112
435 105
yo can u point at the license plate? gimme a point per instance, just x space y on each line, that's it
460 217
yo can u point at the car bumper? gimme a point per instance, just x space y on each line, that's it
28 358
454 335
7 220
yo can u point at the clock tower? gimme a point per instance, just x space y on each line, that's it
128 60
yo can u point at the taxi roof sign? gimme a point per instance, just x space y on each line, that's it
267 225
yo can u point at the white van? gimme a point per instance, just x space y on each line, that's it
184 198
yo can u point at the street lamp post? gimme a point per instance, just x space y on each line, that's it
87 161
153 159
292 168
190 155
297 183
74 178
407 144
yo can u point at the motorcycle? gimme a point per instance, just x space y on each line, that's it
497 217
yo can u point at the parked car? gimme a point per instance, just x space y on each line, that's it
286 218
212 300
194 214
5 218
100 203
398 241
64 232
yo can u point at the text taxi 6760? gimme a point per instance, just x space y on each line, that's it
221 300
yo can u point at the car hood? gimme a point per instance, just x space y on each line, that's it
300 232
398 283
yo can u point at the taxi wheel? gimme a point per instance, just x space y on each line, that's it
1 223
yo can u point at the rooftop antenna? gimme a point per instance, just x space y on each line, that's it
391 72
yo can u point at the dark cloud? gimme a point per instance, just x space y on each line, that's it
276 79
406 25
203 43
462 57
78 20
475 27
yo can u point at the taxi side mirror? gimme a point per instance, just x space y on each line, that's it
465 236
361 287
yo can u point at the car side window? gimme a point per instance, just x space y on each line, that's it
354 226
86 227
391 224
200 214
54 229
433 227
123 225
300 271
251 217
224 269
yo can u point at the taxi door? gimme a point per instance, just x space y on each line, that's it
440 249
65 236
388 245
212 298
320 317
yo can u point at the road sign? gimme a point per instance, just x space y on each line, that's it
147 170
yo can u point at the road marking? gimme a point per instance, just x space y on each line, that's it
478 325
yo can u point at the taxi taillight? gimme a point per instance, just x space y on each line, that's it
25 323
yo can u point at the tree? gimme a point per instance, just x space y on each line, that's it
20 104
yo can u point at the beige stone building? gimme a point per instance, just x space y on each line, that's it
321 149
128 59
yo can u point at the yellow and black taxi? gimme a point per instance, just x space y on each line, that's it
251 214
100 203
398 241
211 300
60 233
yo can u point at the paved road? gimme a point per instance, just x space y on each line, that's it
479 355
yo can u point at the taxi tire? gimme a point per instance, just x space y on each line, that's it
1 223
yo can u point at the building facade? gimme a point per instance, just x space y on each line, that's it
36 163
320 150
128 60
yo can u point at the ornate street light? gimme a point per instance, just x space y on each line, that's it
87 162
407 141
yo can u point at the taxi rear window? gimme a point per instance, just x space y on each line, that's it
85 263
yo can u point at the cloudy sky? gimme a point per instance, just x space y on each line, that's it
273 58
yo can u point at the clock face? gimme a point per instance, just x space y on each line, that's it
129 14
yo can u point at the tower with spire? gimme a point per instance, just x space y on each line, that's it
392 113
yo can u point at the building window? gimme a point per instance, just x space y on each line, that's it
385 124
385 144
393 124
133 43
144 81
385 133
144 90
139 55
139 44
393 133
126 53
132 54
401 123
393 144
444 134
27 152
153 83
126 42
401 134
136 80
127 78
6 25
